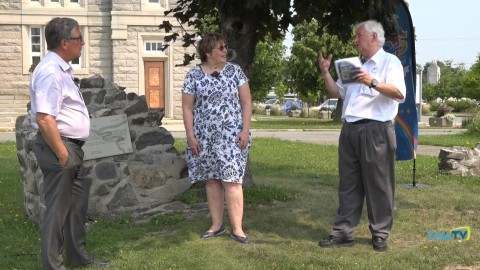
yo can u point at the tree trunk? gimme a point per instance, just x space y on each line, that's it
239 27
338 111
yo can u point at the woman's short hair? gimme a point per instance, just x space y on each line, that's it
58 29
372 26
207 44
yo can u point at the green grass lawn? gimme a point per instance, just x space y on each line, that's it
450 140
292 208
283 122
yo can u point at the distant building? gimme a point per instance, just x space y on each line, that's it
433 73
122 44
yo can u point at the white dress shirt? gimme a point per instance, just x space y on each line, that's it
53 92
363 102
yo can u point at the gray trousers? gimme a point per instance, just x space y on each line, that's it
66 200
367 172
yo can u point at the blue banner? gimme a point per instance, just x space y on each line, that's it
403 46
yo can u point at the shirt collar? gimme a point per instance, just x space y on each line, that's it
378 56
64 65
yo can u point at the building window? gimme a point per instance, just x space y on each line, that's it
73 1
153 47
35 45
154 4
76 63
37 51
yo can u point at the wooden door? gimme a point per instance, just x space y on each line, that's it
155 85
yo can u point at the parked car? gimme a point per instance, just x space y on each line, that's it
329 105
285 105
289 103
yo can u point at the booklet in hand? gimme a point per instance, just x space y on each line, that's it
347 68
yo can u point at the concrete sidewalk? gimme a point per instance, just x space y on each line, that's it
313 136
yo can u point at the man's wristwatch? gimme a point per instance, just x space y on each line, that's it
374 83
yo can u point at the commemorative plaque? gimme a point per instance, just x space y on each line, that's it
109 136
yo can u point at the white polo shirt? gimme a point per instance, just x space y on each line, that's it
363 102
52 91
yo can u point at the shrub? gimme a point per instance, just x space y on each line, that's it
473 125
275 112
257 109
442 110
450 117
434 105
426 109
461 105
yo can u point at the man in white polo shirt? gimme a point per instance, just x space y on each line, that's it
61 117
367 141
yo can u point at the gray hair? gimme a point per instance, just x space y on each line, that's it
57 30
372 26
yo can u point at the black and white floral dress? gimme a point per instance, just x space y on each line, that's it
217 120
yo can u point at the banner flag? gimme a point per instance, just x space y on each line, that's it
406 122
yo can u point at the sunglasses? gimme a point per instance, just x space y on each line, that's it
223 47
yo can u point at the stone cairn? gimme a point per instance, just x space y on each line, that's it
460 161
142 183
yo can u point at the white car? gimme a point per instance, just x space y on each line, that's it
328 105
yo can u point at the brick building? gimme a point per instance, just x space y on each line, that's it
122 44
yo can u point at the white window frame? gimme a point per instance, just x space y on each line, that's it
80 68
79 65
57 3
158 45
42 41
156 2
159 4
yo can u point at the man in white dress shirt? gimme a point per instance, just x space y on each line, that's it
367 141
61 117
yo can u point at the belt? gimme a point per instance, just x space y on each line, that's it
364 121
75 141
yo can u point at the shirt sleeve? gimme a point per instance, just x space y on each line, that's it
396 77
189 84
48 93
241 77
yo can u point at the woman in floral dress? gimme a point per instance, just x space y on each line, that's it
217 110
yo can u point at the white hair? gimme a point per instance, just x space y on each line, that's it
372 26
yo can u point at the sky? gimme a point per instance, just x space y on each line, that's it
445 30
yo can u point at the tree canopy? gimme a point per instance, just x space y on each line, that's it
449 84
245 23
303 67
471 81
268 68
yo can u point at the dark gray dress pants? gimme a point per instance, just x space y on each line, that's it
367 172
66 201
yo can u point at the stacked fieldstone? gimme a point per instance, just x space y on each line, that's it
460 161
145 180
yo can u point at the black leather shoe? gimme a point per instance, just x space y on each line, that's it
379 244
216 233
240 239
334 241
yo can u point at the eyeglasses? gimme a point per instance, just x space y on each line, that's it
80 38
222 47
